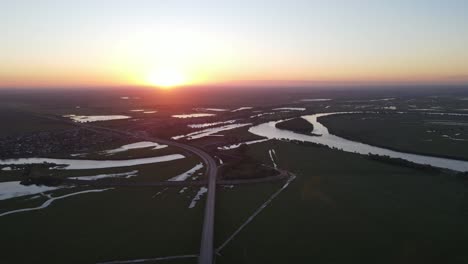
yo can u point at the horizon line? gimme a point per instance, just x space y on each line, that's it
312 84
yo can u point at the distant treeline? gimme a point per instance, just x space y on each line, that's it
39 174
245 167
385 159
405 163
42 180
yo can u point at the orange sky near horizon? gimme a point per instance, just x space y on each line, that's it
264 43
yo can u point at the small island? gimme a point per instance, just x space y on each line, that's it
298 125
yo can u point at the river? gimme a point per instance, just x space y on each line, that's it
270 131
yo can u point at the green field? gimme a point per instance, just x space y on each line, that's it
117 224
340 208
361 211
416 133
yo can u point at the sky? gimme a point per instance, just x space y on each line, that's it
172 42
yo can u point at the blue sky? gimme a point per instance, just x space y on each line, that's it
303 40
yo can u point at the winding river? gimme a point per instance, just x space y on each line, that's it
270 131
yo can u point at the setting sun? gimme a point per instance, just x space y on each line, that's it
167 78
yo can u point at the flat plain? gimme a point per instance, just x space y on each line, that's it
334 206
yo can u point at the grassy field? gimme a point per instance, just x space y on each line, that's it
122 223
358 212
418 133
341 208
361 211
116 224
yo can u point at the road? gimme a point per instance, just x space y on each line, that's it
206 246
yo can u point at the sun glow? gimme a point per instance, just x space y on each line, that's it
167 78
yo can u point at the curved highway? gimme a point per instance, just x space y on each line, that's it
206 246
